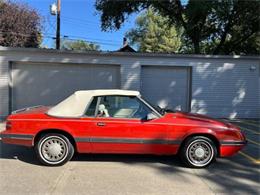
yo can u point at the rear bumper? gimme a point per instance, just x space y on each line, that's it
229 148
18 139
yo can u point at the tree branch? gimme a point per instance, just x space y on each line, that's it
180 13
223 38
236 43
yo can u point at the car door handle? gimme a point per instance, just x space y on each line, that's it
101 124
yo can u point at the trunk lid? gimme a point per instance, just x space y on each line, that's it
35 110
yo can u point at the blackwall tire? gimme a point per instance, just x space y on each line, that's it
54 149
198 152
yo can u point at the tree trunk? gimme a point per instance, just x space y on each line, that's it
223 39
196 45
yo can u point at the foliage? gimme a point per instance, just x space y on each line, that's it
78 45
20 25
216 27
153 34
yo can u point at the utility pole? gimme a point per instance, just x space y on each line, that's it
55 11
58 26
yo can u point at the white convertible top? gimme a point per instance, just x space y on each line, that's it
75 105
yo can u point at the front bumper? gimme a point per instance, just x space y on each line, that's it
229 148
233 143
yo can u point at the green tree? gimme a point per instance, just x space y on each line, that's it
153 34
218 27
78 45
20 25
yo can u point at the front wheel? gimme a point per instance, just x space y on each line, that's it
54 149
198 152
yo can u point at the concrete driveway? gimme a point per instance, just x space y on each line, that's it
131 174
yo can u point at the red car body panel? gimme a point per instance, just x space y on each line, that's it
161 136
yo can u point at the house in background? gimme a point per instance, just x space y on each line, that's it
126 47
219 86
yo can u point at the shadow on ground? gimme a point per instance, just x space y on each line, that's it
27 155
233 175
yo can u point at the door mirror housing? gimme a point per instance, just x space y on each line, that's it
151 116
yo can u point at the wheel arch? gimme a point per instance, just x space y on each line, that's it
59 131
208 135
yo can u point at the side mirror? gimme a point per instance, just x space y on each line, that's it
151 116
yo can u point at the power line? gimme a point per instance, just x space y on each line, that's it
21 34
79 22
47 35
78 19
80 25
50 24
93 42
83 23
85 38
94 39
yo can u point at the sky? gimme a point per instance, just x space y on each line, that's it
79 20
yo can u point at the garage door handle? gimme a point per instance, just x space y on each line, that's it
101 124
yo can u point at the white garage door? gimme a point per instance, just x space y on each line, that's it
166 86
47 84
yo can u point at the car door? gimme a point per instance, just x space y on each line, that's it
83 127
121 126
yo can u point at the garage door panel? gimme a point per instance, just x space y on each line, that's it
166 86
48 84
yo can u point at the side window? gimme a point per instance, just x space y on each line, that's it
92 107
122 107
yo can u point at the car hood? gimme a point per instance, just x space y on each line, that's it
199 119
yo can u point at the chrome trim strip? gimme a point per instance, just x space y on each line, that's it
17 136
232 143
82 139
127 140
25 109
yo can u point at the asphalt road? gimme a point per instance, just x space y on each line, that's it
20 173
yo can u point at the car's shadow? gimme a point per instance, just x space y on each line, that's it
27 155
232 175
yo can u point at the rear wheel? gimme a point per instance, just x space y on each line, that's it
54 149
198 152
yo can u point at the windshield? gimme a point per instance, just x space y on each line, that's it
162 111
157 108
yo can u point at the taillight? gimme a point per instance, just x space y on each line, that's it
8 125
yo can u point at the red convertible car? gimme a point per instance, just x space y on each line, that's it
119 121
